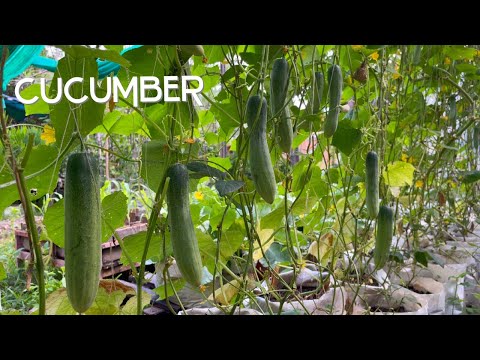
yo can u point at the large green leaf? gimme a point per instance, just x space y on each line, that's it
399 173
40 107
457 52
154 162
134 245
346 138
54 221
469 177
113 298
119 123
38 186
3 273
114 212
67 117
176 285
227 115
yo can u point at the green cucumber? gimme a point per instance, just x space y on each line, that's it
476 136
316 92
335 87
182 232
259 156
384 236
285 131
452 113
278 85
371 183
195 50
83 230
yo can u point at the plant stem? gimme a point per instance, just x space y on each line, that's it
159 197
23 193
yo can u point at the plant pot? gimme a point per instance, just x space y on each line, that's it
454 255
395 300
217 311
430 290
330 303
451 276
472 293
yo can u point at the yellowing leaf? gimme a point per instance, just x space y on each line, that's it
110 300
225 293
399 173
198 195
48 134
357 47
451 183
447 61
375 56
419 183
266 239
396 76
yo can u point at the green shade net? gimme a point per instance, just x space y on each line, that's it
19 59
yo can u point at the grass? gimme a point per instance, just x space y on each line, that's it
15 298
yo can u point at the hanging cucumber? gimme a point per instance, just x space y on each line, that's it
335 87
259 156
452 113
182 231
189 50
384 236
316 92
278 85
285 131
83 230
371 183
476 137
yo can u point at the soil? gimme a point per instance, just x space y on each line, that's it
364 280
419 292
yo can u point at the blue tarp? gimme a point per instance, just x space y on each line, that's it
23 56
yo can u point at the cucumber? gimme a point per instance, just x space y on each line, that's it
278 85
335 87
316 92
452 113
182 231
476 137
371 183
189 50
259 156
384 236
83 230
285 131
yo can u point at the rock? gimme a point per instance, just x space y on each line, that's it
217 311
